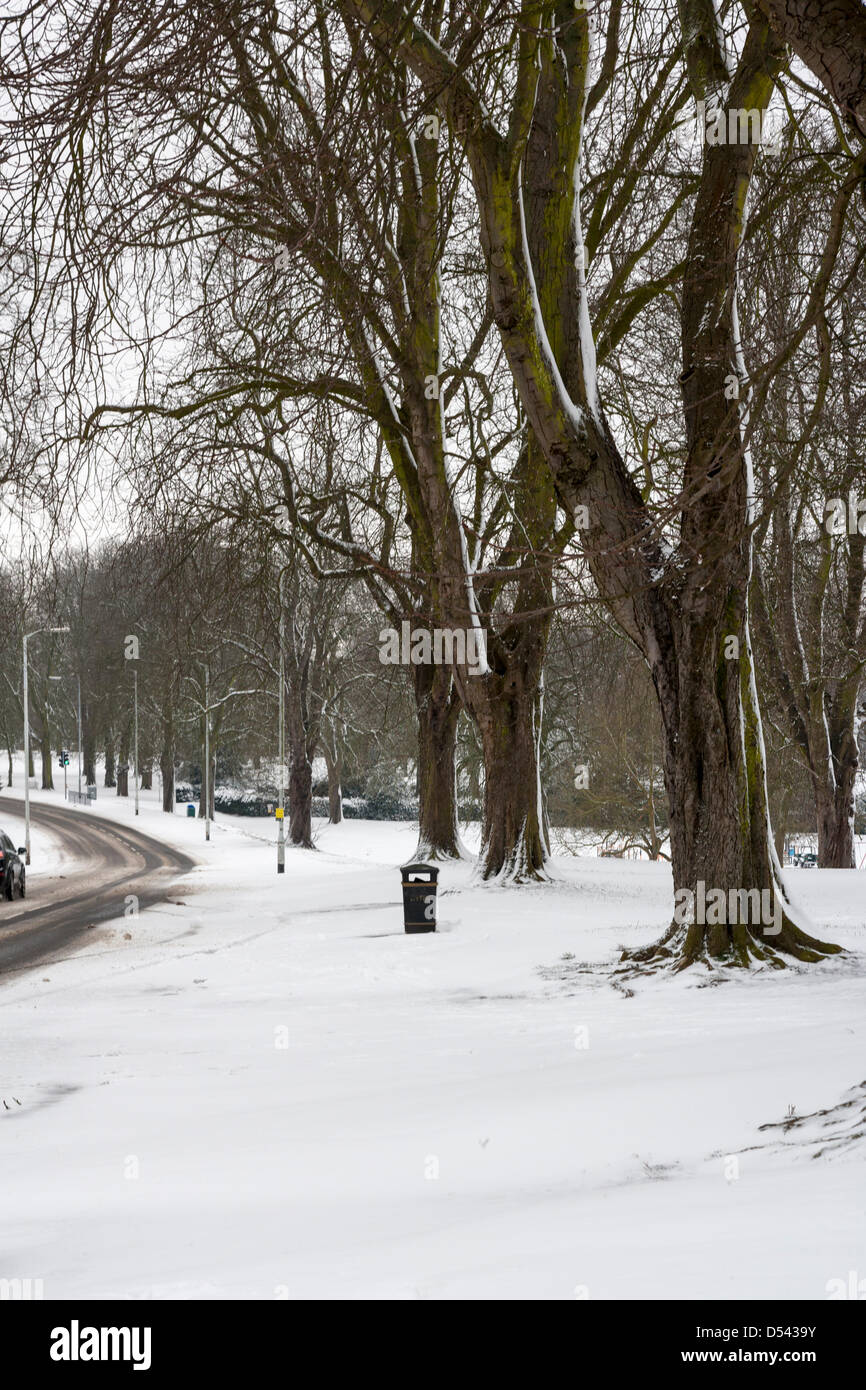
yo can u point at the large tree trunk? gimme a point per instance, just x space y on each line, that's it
166 767
721 841
45 755
507 702
437 706
830 38
507 707
123 766
167 751
88 754
514 844
110 779
300 797
835 808
722 853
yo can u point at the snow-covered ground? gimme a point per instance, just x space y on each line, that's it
265 1089
47 854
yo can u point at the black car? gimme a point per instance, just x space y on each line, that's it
11 868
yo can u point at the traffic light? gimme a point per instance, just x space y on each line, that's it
63 760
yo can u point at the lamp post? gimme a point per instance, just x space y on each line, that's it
281 733
281 810
26 695
132 652
206 753
79 736
135 738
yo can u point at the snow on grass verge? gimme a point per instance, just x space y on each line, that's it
269 1090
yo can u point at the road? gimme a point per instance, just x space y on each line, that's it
113 861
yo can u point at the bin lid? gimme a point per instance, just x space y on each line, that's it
420 869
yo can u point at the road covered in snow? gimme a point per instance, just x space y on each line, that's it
86 870
265 1089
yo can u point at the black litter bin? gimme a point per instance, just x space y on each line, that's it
419 897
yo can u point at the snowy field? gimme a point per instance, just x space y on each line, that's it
270 1091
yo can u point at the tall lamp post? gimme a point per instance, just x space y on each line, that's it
281 733
26 694
79 737
281 744
207 752
135 738
132 652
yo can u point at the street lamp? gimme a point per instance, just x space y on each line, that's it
206 753
135 738
281 810
79 738
281 733
131 652
26 639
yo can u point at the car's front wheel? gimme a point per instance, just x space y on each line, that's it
22 885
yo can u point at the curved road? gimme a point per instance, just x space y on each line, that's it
115 861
